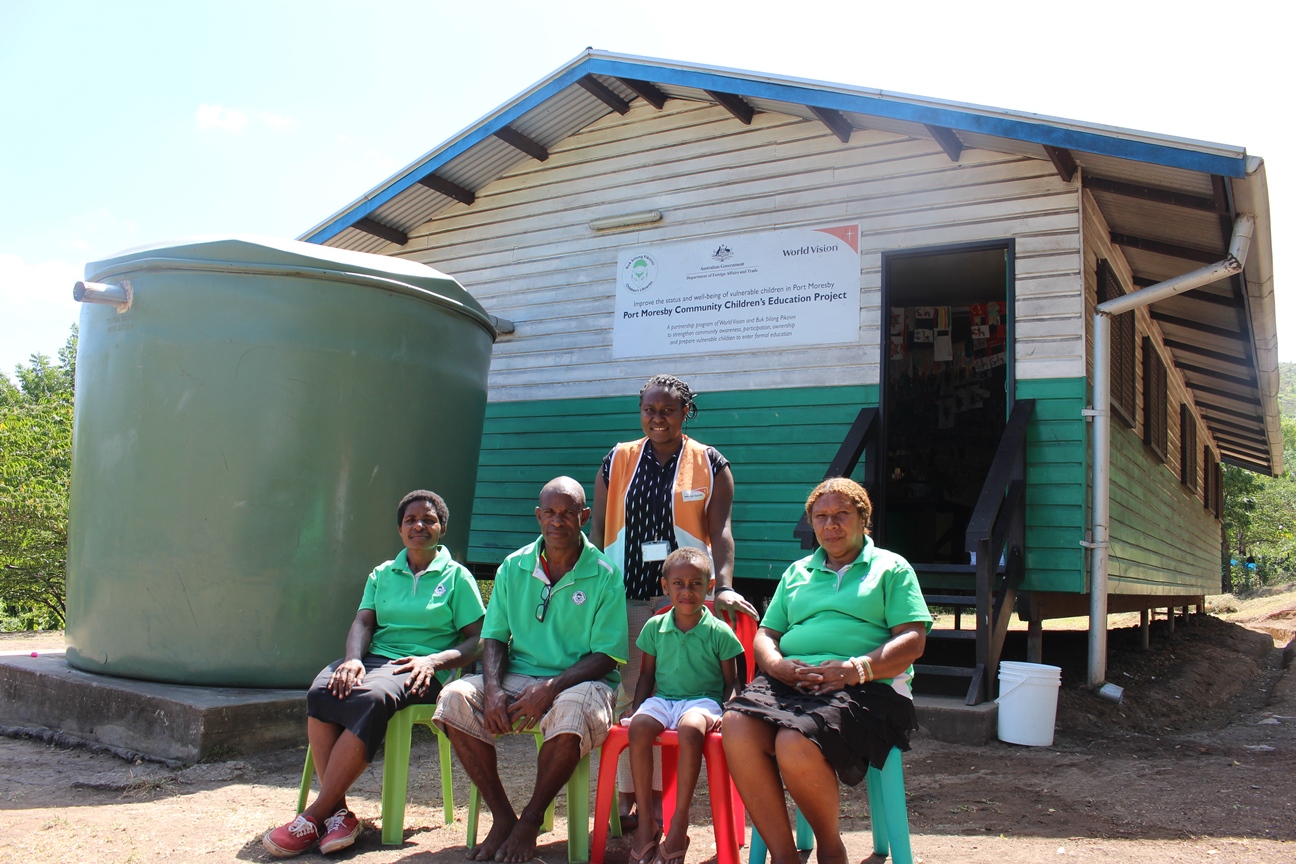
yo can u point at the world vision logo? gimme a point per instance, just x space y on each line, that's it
640 273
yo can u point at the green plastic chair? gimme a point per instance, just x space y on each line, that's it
578 798
888 813
400 730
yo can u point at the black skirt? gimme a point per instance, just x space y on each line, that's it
853 728
367 708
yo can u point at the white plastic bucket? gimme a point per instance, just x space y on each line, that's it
1028 702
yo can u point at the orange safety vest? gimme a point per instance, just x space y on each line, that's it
694 484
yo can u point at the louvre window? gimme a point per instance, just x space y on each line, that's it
1155 408
1187 448
1208 478
1123 394
1217 488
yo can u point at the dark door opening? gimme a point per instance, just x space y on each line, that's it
945 392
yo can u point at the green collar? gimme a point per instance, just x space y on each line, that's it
587 565
818 561
401 561
671 625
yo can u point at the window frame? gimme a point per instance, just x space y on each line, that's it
1156 410
1122 350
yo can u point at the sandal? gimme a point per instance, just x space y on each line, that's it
676 857
647 853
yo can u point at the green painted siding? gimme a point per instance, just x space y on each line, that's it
1056 483
1163 540
779 443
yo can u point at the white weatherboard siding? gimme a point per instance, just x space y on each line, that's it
526 252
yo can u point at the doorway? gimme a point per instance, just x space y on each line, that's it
946 392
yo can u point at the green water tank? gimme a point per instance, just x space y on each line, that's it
249 413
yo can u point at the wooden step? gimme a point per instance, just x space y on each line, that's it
947 671
963 600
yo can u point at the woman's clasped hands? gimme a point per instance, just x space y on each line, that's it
825 677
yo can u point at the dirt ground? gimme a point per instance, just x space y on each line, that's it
1198 763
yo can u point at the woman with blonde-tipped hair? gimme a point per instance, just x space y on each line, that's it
835 651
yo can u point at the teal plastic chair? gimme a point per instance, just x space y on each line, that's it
888 813
578 798
400 729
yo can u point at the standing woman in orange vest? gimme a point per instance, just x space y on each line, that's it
653 496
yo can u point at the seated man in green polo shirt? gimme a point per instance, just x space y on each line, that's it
554 634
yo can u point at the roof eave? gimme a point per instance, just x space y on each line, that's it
1251 195
1202 156
456 144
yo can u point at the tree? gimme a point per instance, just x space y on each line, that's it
1260 519
35 472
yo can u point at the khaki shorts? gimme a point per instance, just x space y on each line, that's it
584 709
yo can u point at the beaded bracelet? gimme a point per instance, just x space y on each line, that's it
859 668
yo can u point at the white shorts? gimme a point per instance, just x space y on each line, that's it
669 712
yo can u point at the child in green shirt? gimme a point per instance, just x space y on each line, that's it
689 669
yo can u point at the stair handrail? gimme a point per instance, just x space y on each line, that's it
860 438
999 521
1008 465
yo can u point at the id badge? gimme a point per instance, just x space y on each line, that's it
656 551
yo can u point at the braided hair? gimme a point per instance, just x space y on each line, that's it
675 387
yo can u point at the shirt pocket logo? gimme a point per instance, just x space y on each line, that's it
439 590
579 598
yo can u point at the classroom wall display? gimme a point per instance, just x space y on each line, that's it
772 289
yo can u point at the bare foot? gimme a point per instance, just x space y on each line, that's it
485 850
830 852
521 843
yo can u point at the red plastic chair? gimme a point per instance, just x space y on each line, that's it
728 816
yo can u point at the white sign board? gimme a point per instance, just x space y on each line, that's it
751 292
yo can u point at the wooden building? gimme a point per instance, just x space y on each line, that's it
977 243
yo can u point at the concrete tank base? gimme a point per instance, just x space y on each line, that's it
163 721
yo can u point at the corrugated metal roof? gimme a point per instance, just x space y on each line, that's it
1140 166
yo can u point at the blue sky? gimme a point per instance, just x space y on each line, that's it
127 123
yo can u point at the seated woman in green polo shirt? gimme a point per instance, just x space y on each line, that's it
835 650
420 616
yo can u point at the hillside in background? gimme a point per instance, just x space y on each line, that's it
1287 389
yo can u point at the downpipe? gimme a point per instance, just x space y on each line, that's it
1100 413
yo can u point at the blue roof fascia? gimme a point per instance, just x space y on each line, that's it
1002 127
859 103
452 149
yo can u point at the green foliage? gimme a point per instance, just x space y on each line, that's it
35 471
1260 512
1287 389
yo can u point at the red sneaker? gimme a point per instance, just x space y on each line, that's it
340 831
292 839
